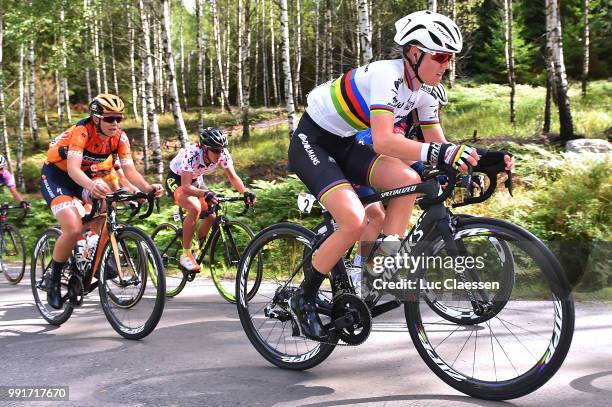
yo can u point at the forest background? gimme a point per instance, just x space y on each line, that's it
533 75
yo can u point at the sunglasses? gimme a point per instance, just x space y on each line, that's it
439 57
112 119
215 150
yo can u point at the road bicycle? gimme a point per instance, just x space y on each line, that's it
123 261
225 244
495 343
12 245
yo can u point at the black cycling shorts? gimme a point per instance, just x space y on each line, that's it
57 187
325 161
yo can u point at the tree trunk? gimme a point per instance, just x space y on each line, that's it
432 5
240 59
96 48
287 67
509 50
151 114
199 76
227 51
555 50
113 61
547 103
329 68
452 66
88 45
32 96
102 50
181 130
20 117
4 143
264 56
215 15
143 103
316 41
182 61
46 115
246 64
298 53
273 56
64 97
365 35
132 63
585 60
60 104
211 81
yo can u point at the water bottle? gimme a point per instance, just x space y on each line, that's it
354 272
80 254
92 241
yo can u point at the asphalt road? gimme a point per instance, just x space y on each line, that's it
199 355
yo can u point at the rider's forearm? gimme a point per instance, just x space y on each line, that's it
80 177
237 184
16 195
434 134
395 145
136 178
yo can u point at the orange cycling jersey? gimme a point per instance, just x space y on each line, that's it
83 140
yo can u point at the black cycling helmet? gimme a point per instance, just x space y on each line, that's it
213 138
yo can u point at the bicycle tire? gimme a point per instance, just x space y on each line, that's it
228 248
170 253
297 237
40 267
553 351
146 250
16 239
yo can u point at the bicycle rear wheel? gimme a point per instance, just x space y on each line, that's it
265 317
523 344
131 302
12 253
42 259
226 249
168 239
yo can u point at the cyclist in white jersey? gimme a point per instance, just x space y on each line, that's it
326 157
189 165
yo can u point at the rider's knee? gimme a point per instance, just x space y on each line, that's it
354 224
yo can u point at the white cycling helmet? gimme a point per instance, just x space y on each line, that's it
432 31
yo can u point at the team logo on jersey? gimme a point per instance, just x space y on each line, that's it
311 154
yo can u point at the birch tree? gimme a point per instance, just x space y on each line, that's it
365 35
329 67
144 107
298 50
32 88
181 130
509 51
316 41
96 47
88 45
113 61
132 62
452 64
585 44
199 76
151 114
432 5
240 59
215 15
20 116
264 56
4 144
101 38
246 64
182 62
287 67
273 56
554 45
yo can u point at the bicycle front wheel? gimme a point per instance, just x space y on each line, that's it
523 342
132 303
12 253
168 239
228 243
